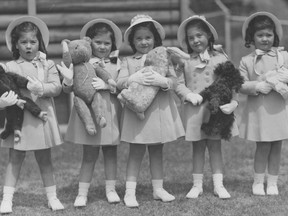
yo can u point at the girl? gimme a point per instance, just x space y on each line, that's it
162 122
265 119
106 39
197 36
27 38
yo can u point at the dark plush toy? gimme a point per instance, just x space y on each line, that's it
15 114
86 99
228 80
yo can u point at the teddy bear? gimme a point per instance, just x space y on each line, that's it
138 97
88 102
228 79
14 114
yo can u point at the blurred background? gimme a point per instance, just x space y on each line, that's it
65 18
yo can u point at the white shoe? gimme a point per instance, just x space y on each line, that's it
55 204
6 207
272 190
195 192
112 197
80 201
161 194
130 200
221 192
258 189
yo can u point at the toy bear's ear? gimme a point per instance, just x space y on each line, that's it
87 39
66 40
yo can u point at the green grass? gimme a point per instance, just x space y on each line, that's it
238 154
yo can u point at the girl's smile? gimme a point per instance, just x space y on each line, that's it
197 39
143 40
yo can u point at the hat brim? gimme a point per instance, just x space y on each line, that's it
181 30
38 22
276 21
157 25
116 30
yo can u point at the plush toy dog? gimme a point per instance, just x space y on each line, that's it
15 114
228 79
139 97
86 99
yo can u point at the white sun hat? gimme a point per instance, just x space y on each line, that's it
181 30
38 22
276 21
116 30
141 18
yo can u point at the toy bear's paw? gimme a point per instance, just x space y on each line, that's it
91 130
43 116
141 115
112 85
101 121
17 136
5 134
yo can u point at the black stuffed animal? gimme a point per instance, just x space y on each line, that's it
15 114
228 80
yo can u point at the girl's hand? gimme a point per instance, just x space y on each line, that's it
156 79
263 87
35 86
229 108
20 103
8 99
195 99
67 73
99 84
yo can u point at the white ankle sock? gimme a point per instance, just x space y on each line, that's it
157 184
272 180
198 180
83 189
131 186
259 178
51 192
110 185
8 193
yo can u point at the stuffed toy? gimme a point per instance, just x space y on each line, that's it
220 92
15 114
278 79
87 101
138 97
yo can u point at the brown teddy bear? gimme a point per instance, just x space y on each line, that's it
86 99
139 97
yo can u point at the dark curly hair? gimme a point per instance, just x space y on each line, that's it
16 34
151 27
204 27
102 28
259 23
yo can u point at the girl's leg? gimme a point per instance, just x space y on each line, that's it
216 163
199 148
43 158
260 163
110 164
273 167
16 159
156 168
136 154
89 158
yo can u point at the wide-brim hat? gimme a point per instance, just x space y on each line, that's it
141 18
116 30
181 30
276 21
38 22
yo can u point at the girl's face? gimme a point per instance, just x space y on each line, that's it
28 45
264 39
143 40
197 39
101 45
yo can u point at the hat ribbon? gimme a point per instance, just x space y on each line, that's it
103 61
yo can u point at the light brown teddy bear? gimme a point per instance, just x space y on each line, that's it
86 99
138 97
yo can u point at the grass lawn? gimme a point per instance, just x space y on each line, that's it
238 154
